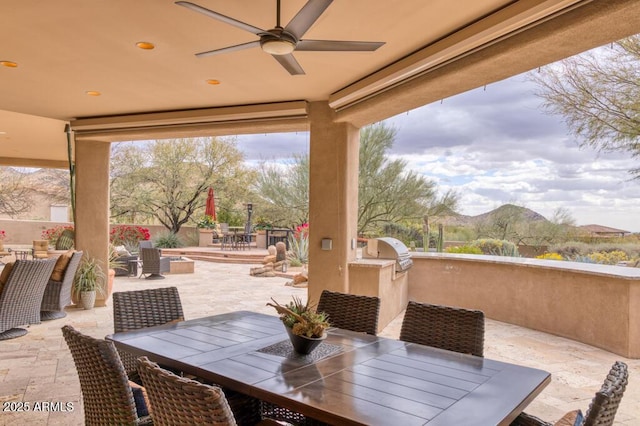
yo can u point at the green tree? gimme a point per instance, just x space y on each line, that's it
283 191
598 95
167 180
388 193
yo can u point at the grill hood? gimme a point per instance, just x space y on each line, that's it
389 248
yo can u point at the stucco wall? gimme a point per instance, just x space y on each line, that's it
595 304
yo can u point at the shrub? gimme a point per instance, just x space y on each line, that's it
550 256
466 249
167 240
610 258
128 236
496 247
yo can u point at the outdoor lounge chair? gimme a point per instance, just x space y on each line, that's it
178 400
137 309
21 296
603 407
107 394
350 311
57 294
66 240
153 265
445 327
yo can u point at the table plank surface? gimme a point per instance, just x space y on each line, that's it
367 380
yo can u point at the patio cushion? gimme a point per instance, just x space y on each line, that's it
140 398
61 265
122 251
572 418
4 276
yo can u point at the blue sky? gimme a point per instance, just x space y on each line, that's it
495 145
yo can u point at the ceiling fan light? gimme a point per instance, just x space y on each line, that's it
277 46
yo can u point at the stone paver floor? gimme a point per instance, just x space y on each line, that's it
38 367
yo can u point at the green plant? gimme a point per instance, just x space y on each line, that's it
128 236
550 256
167 240
89 276
207 222
496 247
466 249
302 319
299 244
262 224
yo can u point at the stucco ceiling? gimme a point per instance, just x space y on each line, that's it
65 48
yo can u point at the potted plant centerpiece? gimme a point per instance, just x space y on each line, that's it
88 281
207 230
305 326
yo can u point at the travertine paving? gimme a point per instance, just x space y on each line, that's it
38 369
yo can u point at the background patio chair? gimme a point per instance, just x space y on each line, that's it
604 405
228 240
40 249
145 244
178 400
445 327
144 308
153 265
350 311
66 240
21 296
57 294
107 395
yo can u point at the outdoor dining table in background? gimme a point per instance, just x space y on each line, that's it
351 379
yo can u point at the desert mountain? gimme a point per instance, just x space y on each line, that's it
507 211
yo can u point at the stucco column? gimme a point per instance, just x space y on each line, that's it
92 203
333 200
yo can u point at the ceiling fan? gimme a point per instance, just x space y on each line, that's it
281 42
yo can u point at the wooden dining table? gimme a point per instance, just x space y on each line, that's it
350 379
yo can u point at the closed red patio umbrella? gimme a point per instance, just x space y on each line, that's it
210 208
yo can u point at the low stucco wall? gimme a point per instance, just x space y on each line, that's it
594 304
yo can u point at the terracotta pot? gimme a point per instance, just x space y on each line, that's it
302 344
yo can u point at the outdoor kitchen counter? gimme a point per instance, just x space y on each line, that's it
378 277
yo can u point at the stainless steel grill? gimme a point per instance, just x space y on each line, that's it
389 248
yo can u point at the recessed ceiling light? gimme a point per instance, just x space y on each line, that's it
2 133
213 81
145 45
93 93
9 64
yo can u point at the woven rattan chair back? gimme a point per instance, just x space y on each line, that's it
152 263
604 405
445 327
144 308
350 311
21 296
57 295
177 400
106 394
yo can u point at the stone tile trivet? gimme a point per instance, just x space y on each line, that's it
284 349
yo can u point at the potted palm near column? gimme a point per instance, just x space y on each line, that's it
89 281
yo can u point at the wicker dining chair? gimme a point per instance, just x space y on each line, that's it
445 327
153 265
66 240
144 308
21 296
57 294
107 395
350 311
603 407
178 400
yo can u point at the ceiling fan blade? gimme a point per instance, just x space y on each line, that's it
289 63
221 17
338 46
306 17
229 49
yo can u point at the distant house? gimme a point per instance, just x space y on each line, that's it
600 231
